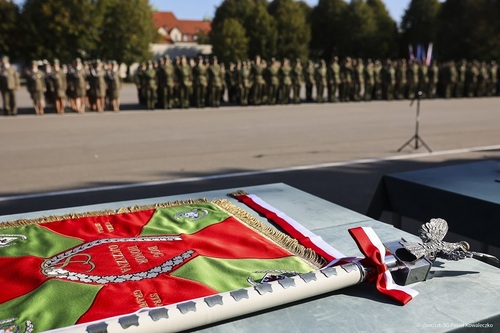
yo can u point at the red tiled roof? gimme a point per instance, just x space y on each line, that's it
168 21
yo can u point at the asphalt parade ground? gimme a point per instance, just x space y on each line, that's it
337 151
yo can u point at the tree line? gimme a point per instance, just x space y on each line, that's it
241 29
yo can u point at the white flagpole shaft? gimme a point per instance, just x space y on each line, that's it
212 309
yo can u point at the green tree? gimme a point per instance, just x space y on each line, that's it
127 31
9 16
61 28
230 42
293 31
384 44
329 35
419 23
469 29
362 27
256 21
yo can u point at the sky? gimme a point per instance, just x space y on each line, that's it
198 9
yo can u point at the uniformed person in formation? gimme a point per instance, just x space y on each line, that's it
170 79
321 81
271 76
333 79
493 72
423 78
285 82
462 74
162 83
377 74
58 78
9 84
433 79
359 80
49 84
259 83
345 87
185 77
230 80
244 82
77 86
401 81
449 78
200 78
35 82
388 80
97 80
114 85
412 77
369 77
214 83
310 80
297 80
471 78
150 85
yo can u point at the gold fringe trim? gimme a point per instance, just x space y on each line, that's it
283 240
238 193
123 210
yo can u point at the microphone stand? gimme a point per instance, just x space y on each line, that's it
416 136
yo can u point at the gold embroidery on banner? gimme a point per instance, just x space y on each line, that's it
119 258
132 209
283 240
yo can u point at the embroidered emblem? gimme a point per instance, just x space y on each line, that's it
55 267
271 275
9 240
192 214
8 326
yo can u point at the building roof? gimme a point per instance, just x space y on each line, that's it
188 28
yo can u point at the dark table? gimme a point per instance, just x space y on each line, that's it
467 196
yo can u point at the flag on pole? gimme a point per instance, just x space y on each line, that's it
428 59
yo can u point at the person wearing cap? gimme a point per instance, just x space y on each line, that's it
113 84
58 77
297 80
77 82
9 84
285 82
97 82
214 83
150 83
35 82
200 83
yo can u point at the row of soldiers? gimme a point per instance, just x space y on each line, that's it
79 86
200 82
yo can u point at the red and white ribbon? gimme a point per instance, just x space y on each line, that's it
293 228
366 239
371 246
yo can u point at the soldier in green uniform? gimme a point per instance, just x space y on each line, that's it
377 76
114 85
471 78
412 77
58 78
150 85
423 78
433 79
9 84
493 72
185 77
333 74
297 80
230 80
369 78
162 84
321 81
359 80
449 79
309 78
200 80
401 81
345 87
271 76
35 82
244 82
77 80
49 84
214 83
462 74
483 80
388 80
98 85
170 78
258 81
285 82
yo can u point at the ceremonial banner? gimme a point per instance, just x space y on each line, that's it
61 271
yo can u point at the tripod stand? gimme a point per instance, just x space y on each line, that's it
416 137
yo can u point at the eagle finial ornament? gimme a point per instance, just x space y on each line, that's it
432 234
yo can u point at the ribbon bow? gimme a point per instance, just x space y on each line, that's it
373 249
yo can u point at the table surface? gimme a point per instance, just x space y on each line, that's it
466 195
457 293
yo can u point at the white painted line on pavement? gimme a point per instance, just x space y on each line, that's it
246 173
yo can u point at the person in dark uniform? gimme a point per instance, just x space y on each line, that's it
35 82
114 85
309 78
285 82
9 84
258 81
214 83
150 86
98 85
244 82
185 77
333 79
200 80
77 80
58 78
321 81
297 80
